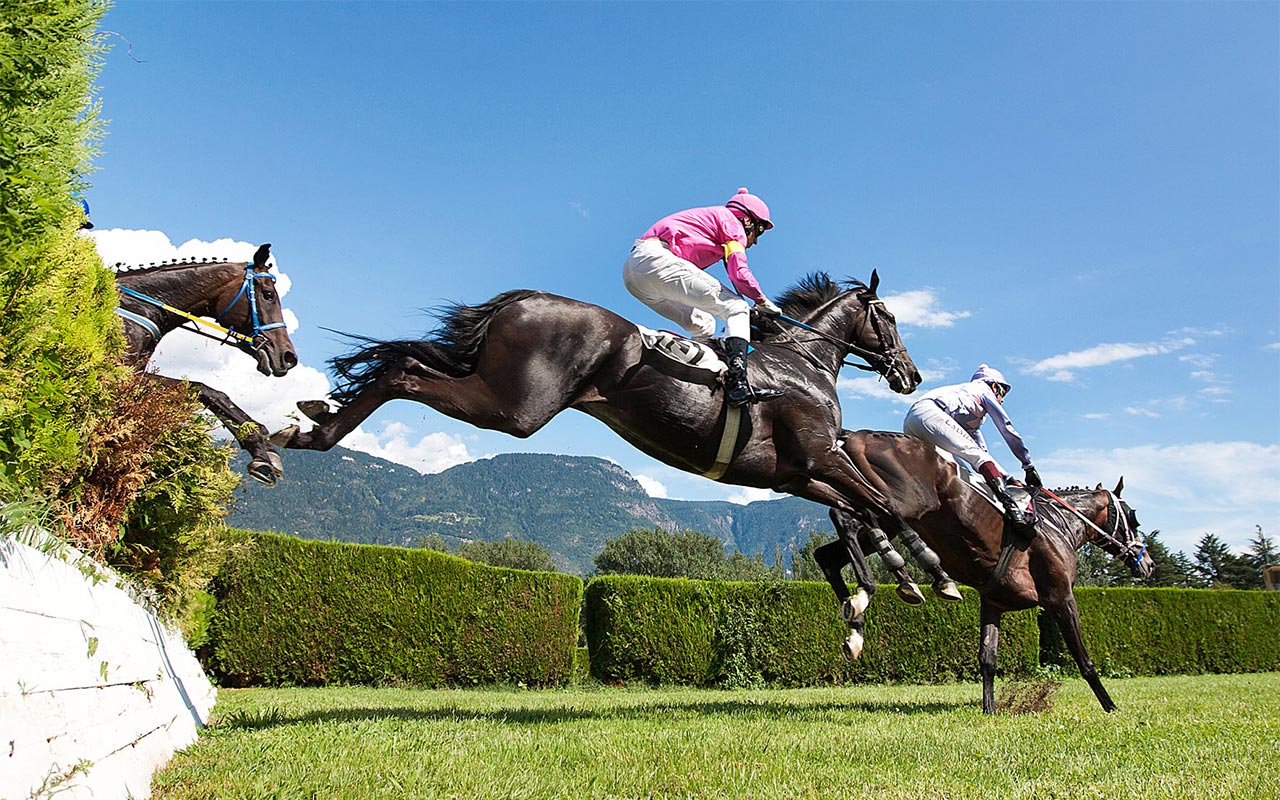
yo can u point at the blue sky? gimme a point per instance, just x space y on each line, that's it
1085 195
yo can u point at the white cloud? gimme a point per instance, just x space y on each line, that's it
434 452
1134 411
1062 367
652 486
749 494
1273 346
920 307
1184 491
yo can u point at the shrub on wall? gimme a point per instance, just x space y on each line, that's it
675 631
307 613
1130 631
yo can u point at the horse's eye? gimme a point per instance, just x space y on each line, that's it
269 294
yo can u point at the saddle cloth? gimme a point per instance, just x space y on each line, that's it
682 351
976 482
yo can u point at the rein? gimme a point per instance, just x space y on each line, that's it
255 340
871 356
1107 538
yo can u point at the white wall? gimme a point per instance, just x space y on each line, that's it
95 692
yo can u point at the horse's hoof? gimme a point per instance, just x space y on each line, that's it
284 436
267 472
910 593
852 647
315 410
947 590
853 606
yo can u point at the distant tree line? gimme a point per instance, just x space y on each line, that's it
690 554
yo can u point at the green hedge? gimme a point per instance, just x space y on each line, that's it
1131 631
296 612
675 631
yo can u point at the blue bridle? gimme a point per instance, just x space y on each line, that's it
255 339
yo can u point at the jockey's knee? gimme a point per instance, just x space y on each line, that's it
701 324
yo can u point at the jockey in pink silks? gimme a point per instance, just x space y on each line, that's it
666 272
950 417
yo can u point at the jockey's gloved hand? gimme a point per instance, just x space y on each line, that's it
1033 478
767 308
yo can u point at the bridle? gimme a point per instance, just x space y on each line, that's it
256 340
881 363
1123 539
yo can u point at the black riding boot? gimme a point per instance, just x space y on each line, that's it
736 388
1012 513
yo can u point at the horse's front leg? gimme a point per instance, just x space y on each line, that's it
265 465
988 644
1061 605
333 426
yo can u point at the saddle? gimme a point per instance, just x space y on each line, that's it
681 350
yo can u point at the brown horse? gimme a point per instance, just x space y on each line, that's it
518 360
967 531
242 299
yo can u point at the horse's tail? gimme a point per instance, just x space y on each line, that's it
453 348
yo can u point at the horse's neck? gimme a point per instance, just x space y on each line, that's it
1091 506
194 289
840 318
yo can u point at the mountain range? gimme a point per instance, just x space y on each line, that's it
568 504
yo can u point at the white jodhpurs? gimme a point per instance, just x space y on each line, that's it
926 420
682 293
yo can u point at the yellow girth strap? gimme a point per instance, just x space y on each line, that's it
733 246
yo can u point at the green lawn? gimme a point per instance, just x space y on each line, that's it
1212 737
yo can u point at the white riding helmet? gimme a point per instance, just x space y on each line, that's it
991 375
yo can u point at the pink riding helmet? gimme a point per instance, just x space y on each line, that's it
752 206
991 375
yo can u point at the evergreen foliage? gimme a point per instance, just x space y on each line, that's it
295 612
509 553
782 633
686 554
122 469
1131 631
1218 568
57 327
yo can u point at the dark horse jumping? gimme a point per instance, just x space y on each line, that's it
513 363
242 300
967 531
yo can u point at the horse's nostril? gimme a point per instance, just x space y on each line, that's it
290 358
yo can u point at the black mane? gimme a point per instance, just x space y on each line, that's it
808 295
121 268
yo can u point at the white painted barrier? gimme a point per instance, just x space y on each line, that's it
96 693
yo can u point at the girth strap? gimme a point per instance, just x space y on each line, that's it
732 419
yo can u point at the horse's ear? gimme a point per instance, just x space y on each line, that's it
1120 486
260 257
875 281
1099 489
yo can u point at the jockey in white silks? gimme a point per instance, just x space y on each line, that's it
666 272
950 417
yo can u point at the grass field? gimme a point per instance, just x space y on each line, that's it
1212 737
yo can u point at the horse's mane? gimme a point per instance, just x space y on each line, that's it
808 295
120 267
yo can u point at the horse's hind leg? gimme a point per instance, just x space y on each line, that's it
943 586
519 412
